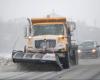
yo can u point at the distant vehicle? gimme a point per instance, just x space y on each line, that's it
89 49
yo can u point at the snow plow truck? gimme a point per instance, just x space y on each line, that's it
48 40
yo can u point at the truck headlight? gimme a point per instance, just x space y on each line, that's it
93 50
79 51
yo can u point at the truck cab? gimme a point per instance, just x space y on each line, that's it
51 36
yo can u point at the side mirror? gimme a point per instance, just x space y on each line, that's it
72 26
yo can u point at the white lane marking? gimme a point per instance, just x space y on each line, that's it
74 74
4 75
84 73
42 74
24 75
55 74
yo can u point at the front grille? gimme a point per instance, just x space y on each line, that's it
45 43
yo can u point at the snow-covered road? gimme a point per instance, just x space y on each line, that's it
86 70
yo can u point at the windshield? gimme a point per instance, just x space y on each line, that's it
51 29
87 44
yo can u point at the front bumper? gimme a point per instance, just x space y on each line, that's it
36 61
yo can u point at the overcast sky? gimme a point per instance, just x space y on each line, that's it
84 10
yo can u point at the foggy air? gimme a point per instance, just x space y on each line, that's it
50 39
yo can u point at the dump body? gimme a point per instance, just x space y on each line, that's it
48 40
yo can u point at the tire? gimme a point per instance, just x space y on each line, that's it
65 62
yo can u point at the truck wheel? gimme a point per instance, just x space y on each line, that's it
65 62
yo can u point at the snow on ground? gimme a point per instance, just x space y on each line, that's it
5 55
89 61
6 63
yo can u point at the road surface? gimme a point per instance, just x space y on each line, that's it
88 69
